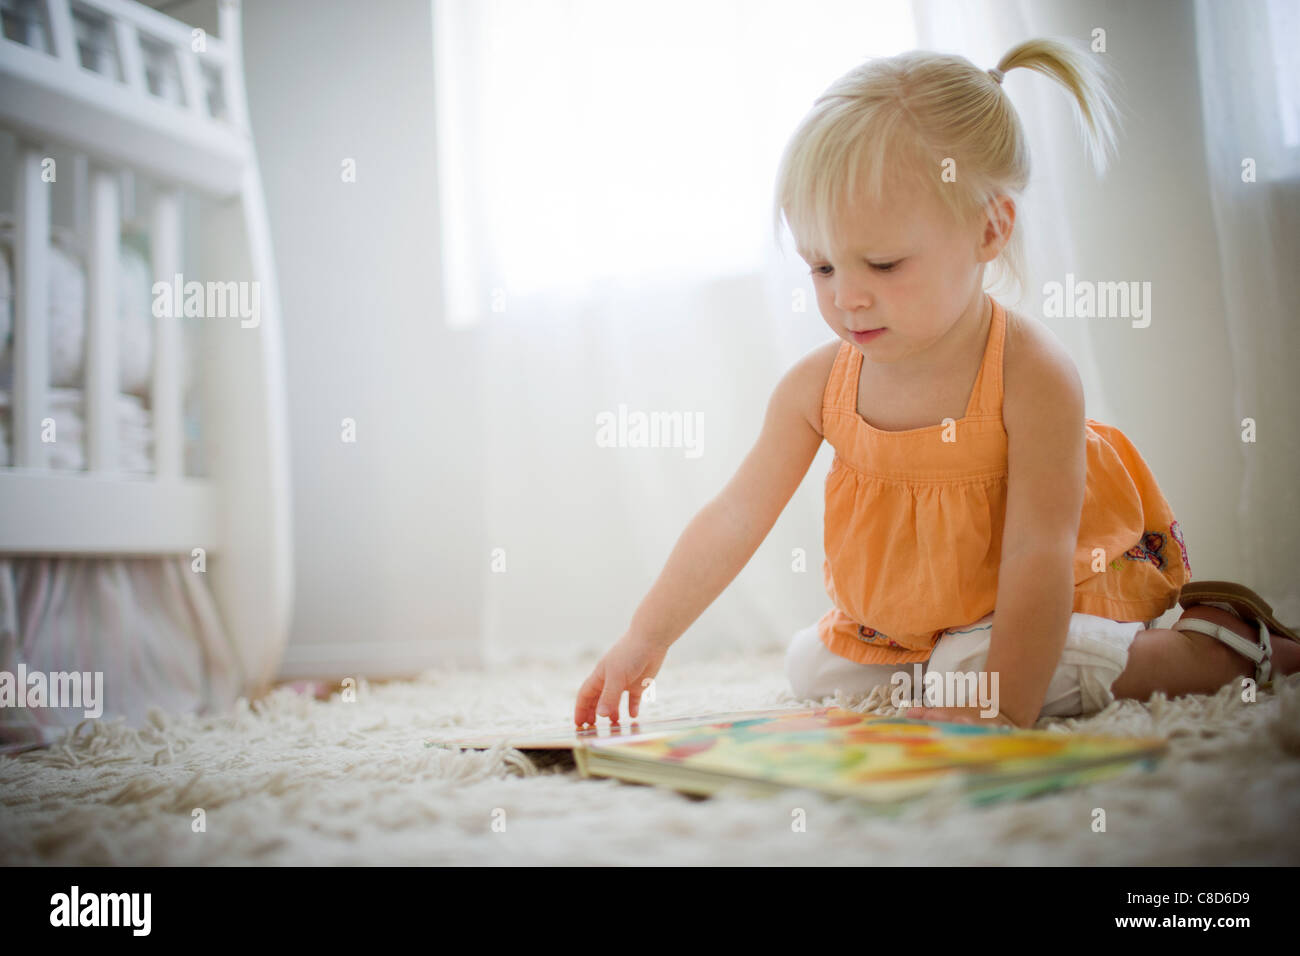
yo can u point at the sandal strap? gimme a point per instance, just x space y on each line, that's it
1260 653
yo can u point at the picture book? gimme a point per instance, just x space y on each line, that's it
880 762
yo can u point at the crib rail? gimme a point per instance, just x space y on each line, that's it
53 513
125 83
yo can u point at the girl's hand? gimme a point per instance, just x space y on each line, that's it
629 665
959 715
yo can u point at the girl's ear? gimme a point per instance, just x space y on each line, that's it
999 220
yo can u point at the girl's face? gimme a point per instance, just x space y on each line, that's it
902 266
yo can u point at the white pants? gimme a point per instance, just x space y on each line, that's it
1095 654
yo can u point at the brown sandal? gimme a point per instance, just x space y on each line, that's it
1244 603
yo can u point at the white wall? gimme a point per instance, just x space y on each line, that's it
385 530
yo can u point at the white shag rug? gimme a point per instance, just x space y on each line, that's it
295 780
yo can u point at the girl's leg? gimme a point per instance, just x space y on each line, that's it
814 672
1095 652
1188 662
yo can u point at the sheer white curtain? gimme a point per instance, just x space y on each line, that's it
606 174
1250 91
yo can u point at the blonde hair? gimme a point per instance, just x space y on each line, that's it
895 120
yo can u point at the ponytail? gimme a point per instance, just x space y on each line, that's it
1084 78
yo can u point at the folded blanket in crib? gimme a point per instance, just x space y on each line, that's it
66 319
68 450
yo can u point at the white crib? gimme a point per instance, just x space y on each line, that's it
166 103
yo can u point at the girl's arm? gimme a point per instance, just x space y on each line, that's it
719 541
1043 413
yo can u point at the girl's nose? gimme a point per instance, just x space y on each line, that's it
850 296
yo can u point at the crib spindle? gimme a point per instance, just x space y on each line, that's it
79 178
187 62
102 374
167 398
128 50
63 39
31 309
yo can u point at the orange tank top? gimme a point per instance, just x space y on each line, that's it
913 525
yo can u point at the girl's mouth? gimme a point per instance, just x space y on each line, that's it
868 335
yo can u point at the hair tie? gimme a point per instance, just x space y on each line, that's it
997 75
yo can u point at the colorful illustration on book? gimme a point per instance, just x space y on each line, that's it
839 750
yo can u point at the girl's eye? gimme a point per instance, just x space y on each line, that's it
878 266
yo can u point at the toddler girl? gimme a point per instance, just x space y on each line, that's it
966 476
